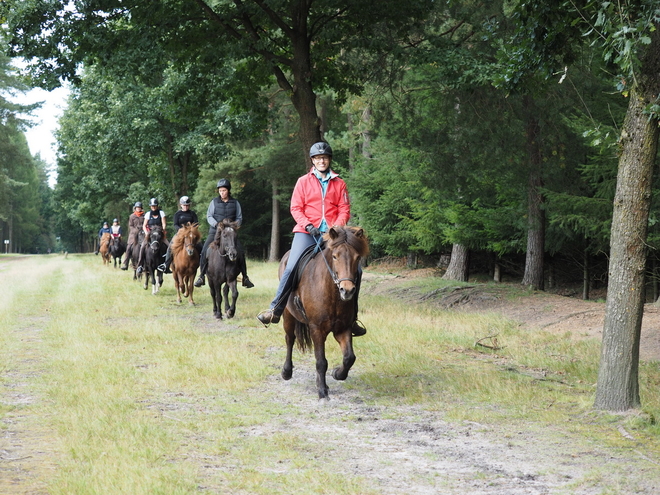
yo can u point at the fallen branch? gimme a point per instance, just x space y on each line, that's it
495 346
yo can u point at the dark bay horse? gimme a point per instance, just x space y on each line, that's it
154 257
133 254
104 248
323 303
223 268
117 249
185 260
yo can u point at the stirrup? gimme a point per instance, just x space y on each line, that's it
200 281
267 317
162 267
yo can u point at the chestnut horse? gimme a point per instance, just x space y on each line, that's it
223 268
185 260
104 248
322 303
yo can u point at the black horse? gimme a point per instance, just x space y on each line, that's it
117 249
223 268
154 257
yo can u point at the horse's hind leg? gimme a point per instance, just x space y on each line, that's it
346 344
290 339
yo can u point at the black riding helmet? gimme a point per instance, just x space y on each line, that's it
320 149
224 183
138 204
153 202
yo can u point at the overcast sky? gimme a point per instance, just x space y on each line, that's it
40 137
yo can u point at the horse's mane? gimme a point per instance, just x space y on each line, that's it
353 236
105 238
218 231
179 239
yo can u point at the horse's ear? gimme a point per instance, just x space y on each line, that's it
359 233
333 233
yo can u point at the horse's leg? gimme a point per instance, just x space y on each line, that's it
230 306
234 296
289 325
318 338
346 343
216 296
177 282
190 286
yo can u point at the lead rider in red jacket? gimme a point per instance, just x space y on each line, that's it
319 201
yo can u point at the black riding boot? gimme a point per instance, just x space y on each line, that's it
246 281
358 329
202 272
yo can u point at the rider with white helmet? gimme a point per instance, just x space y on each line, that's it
182 217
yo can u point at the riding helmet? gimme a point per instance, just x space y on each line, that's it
320 149
115 220
153 202
185 200
138 204
224 183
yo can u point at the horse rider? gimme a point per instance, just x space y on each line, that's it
134 225
104 230
115 229
181 218
319 201
154 217
224 206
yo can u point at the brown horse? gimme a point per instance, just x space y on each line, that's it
223 268
323 303
185 260
104 248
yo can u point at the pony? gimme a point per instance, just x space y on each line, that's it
185 260
117 249
154 257
223 268
322 303
104 248
133 254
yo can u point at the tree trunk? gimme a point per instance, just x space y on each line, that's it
618 387
274 254
586 276
366 132
458 264
533 276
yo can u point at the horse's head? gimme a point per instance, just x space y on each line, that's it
191 237
225 237
155 238
347 246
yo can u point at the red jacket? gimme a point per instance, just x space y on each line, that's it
309 206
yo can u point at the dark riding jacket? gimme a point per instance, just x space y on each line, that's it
219 210
183 217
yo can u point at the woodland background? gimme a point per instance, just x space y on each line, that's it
486 129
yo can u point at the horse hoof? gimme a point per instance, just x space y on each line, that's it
218 316
287 374
338 376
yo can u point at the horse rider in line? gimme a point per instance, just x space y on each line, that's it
134 225
182 217
224 206
115 229
319 201
154 217
104 230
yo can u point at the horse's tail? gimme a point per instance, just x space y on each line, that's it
303 336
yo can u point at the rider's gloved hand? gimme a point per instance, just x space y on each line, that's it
311 230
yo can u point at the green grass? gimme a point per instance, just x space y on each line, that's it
144 396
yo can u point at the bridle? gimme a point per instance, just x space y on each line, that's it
336 280
226 254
